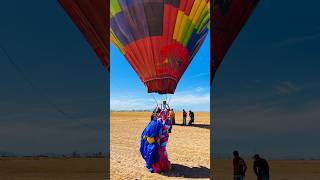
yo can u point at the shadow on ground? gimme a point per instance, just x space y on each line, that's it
187 172
204 126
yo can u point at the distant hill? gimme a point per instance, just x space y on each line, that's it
7 154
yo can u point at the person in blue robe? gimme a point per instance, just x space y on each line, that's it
149 142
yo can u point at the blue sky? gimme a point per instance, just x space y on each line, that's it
193 91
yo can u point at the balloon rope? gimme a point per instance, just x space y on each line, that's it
40 92
154 99
169 98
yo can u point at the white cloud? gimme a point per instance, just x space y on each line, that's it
191 99
199 89
131 103
200 75
286 88
298 39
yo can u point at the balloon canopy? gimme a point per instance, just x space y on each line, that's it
159 38
91 18
229 16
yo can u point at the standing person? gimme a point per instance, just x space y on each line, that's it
239 166
170 120
260 168
172 117
191 114
163 162
184 117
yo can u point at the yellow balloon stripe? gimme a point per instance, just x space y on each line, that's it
199 11
194 8
186 29
205 15
116 42
177 25
182 27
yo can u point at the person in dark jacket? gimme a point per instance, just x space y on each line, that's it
260 168
191 114
239 167
184 117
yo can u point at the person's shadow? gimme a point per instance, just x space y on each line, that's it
204 126
179 170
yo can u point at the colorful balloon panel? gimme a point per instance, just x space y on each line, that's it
90 16
229 16
159 38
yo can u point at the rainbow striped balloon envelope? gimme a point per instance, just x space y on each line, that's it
159 38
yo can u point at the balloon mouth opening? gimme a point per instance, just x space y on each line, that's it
161 85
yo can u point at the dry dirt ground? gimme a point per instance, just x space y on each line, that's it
52 168
188 147
279 170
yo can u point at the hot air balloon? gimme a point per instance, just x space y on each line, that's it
159 38
229 16
91 18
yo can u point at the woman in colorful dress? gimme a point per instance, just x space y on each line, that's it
163 164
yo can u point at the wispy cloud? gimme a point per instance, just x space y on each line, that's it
196 90
298 39
131 103
200 75
286 88
200 89
191 99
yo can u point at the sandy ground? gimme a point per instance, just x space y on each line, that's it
52 168
188 147
279 170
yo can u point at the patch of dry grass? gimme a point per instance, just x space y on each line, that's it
52 168
188 147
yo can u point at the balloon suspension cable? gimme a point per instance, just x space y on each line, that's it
40 92
155 100
169 99
164 103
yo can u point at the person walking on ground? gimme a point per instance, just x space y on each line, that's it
239 167
184 117
191 114
260 168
